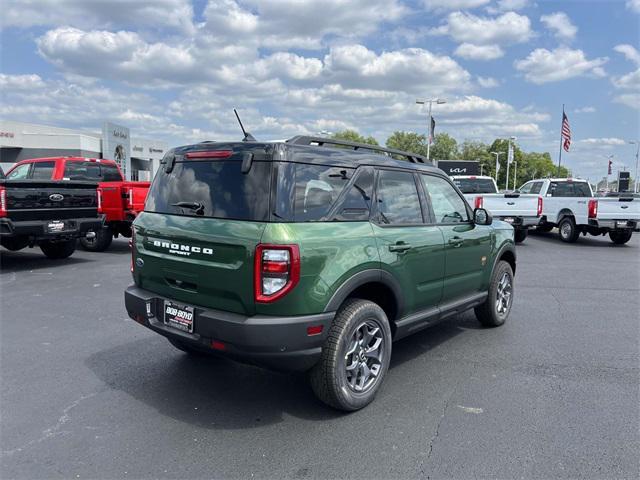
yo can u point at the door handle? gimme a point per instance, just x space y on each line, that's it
399 247
456 241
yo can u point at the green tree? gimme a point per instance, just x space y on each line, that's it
444 147
408 142
479 152
354 136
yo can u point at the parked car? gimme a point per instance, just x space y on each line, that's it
304 257
47 214
118 199
523 211
569 204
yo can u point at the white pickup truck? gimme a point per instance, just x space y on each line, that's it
521 211
569 205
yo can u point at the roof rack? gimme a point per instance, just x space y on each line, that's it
390 152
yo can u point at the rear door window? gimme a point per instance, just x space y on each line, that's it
317 187
216 189
81 171
42 170
398 202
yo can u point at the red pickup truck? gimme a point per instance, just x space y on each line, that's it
118 199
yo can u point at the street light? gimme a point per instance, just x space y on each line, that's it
635 176
506 183
439 101
497 154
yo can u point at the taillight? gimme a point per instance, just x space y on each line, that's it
130 206
209 154
99 195
539 207
276 272
132 246
3 202
479 202
593 208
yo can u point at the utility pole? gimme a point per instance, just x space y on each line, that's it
510 154
430 101
515 174
635 175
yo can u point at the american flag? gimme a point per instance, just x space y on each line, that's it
566 132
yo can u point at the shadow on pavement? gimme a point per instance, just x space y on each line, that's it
216 393
32 259
587 241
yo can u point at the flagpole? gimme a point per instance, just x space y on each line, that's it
560 150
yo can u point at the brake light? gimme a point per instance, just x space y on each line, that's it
130 206
210 154
539 207
3 202
99 195
479 202
593 208
276 271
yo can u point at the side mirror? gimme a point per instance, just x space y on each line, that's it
482 217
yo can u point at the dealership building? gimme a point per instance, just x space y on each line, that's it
138 157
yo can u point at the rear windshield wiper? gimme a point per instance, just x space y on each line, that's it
196 206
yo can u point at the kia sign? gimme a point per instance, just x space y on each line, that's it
459 167
623 181
117 146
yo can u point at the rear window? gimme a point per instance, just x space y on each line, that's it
475 185
81 171
569 189
110 173
42 170
216 189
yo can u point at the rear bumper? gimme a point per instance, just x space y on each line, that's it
37 229
615 224
280 343
521 222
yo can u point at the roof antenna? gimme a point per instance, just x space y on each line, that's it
247 136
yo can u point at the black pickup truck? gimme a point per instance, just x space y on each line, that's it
51 215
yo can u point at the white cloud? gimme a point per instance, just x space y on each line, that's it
630 81
98 13
633 5
603 141
20 82
543 66
478 52
560 24
507 6
506 29
453 4
587 109
630 52
488 82
631 100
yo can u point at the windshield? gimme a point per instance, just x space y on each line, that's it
475 185
216 189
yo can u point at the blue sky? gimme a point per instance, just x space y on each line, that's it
174 69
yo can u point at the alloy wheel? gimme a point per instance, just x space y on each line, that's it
364 356
503 294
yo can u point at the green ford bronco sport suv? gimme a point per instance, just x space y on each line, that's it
312 255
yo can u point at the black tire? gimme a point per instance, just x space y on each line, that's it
544 227
489 314
186 348
620 237
331 379
58 250
567 230
520 235
100 242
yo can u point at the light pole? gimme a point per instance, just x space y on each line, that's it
506 183
497 154
635 175
439 101
515 173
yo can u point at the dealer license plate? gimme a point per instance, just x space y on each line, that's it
56 227
178 316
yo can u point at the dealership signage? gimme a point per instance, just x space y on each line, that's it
7 134
117 146
459 167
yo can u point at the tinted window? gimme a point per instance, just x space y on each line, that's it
581 189
110 173
19 172
569 189
42 170
537 186
215 189
316 189
447 205
82 171
475 185
398 201
357 200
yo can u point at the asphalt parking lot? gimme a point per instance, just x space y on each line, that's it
88 393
